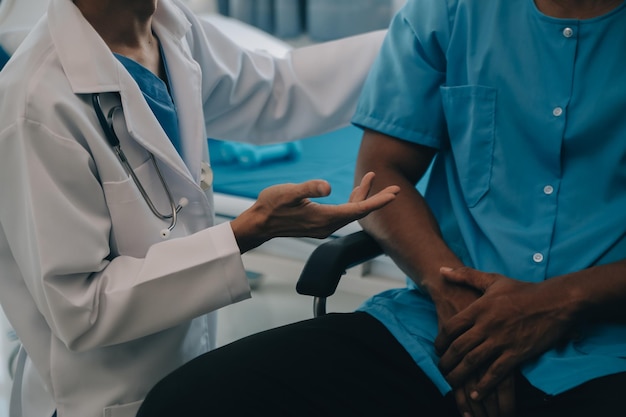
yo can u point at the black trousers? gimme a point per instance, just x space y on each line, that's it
340 365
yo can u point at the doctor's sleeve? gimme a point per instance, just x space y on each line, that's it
256 97
57 227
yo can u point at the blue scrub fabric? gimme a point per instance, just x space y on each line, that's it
527 113
156 93
4 57
331 157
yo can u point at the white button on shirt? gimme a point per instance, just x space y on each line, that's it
557 111
568 32
537 257
548 189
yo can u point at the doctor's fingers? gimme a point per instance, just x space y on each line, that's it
294 194
327 218
363 190
360 192
297 196
355 210
321 220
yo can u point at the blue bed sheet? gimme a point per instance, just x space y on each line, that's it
331 157
4 57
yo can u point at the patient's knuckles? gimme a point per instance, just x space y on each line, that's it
456 352
472 360
498 372
455 326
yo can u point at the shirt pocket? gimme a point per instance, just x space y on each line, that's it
470 115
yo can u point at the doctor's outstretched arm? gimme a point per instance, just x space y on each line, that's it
257 97
285 210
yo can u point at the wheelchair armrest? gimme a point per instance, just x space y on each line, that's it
329 261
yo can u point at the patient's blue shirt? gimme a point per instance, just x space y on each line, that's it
157 95
528 114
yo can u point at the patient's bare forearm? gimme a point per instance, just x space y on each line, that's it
406 229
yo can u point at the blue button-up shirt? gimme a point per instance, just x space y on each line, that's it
528 113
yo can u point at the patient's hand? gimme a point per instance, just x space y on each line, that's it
513 321
286 210
498 403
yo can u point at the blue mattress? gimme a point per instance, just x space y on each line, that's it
331 157
4 57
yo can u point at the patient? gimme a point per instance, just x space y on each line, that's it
516 254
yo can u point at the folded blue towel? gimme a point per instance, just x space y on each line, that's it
251 156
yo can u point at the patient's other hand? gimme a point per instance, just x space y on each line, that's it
285 210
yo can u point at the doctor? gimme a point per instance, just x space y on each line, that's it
110 265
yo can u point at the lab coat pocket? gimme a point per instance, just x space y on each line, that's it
123 410
134 227
470 114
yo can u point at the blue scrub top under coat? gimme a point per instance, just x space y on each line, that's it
4 57
527 112
157 95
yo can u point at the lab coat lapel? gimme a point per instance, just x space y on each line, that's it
145 129
91 68
85 57
171 26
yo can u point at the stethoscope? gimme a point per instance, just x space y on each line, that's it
107 125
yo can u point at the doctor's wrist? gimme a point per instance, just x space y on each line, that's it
248 231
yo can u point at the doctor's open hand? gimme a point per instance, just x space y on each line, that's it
285 210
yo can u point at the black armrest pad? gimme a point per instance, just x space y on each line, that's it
330 260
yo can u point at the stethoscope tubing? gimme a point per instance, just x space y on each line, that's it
109 132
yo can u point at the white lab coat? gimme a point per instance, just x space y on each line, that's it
103 305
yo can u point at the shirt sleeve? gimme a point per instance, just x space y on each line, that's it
55 231
401 95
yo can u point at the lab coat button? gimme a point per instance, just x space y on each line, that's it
537 257
568 32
